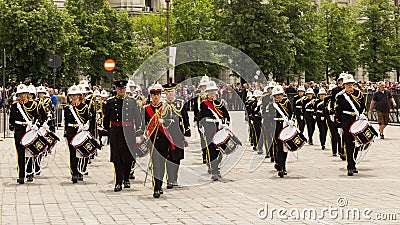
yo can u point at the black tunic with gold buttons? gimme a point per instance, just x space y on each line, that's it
18 124
123 123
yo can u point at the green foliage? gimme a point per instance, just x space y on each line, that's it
257 30
377 37
150 34
194 20
305 42
339 29
31 31
103 33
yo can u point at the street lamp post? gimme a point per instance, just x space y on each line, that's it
167 2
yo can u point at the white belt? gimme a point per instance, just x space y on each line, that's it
299 107
279 119
350 113
20 123
211 120
310 110
73 125
320 111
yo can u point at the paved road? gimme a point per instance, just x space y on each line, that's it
316 181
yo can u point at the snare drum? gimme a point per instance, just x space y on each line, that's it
51 137
85 144
34 143
363 132
143 149
292 138
226 141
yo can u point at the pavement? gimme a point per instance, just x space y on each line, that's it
316 190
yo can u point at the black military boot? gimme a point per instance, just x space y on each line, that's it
127 184
117 188
156 194
349 172
29 178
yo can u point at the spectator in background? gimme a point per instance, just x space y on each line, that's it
381 101
290 89
145 92
54 100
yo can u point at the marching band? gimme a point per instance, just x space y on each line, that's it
161 128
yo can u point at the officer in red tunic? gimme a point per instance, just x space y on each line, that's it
161 140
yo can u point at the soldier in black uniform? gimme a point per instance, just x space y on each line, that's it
123 124
346 115
338 131
250 100
268 123
255 112
161 139
212 116
140 100
47 114
319 109
285 107
298 107
330 115
72 127
89 99
20 126
309 114
176 121
201 95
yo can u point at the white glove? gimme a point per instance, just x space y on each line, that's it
291 123
161 121
138 140
314 117
34 127
45 126
104 140
225 126
332 117
80 127
85 127
201 129
322 118
302 117
363 117
29 124
340 131
186 139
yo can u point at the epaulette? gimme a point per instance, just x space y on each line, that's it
110 98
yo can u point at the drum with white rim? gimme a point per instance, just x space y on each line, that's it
85 144
226 141
34 143
51 137
292 138
363 132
